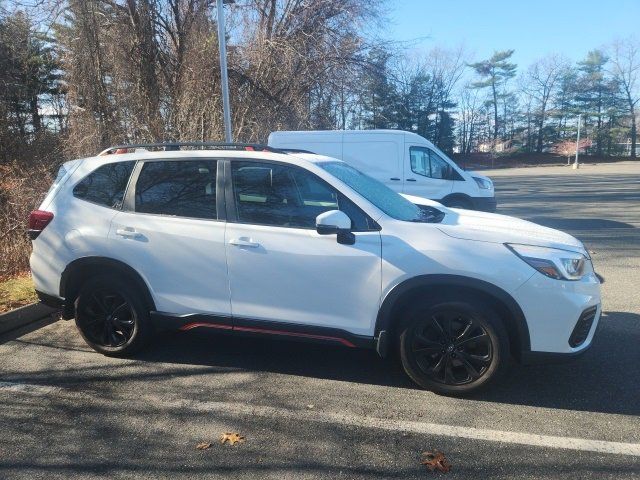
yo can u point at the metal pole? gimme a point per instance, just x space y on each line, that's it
576 164
223 72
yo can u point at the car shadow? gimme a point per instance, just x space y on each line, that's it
606 379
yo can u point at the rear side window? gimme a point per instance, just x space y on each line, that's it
184 188
105 185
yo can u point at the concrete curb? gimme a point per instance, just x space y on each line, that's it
23 316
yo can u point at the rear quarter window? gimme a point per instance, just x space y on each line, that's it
105 185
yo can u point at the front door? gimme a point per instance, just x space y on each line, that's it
281 269
426 174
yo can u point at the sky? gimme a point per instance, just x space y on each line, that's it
533 28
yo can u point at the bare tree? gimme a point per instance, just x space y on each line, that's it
625 67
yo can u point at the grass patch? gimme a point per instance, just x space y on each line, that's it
16 292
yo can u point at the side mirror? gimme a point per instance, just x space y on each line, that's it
336 222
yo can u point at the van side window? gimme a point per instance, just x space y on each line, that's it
428 163
105 185
183 188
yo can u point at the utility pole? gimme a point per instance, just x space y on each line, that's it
576 165
222 43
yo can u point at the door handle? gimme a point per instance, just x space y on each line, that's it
411 180
128 233
395 178
243 242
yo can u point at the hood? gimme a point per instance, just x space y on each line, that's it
494 228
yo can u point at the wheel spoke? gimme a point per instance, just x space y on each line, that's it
483 337
439 328
465 332
98 301
471 370
426 346
448 371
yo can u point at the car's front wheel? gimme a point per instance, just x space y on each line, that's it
111 316
452 346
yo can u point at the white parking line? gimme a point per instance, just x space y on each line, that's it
316 416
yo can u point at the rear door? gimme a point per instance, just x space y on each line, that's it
171 231
426 174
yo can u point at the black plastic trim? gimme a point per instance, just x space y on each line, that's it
50 300
542 358
485 204
384 320
105 265
252 327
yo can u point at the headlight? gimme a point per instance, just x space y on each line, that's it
552 262
483 183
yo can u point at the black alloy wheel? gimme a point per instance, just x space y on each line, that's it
453 347
107 319
112 316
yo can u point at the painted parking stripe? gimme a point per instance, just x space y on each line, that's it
315 416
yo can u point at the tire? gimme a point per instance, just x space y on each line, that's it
459 202
112 316
438 351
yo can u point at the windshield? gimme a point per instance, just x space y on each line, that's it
390 202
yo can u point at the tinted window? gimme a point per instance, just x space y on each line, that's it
185 188
106 185
278 195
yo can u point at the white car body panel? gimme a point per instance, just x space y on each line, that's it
298 276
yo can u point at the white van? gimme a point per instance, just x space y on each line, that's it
404 161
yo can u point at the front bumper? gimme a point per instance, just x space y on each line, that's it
485 204
562 316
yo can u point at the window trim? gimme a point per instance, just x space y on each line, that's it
232 209
129 203
124 196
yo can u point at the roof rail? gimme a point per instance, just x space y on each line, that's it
169 146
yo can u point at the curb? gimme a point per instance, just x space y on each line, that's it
23 316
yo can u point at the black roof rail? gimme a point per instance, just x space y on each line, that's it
169 146
295 150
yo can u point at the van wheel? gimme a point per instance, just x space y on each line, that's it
111 316
458 202
453 347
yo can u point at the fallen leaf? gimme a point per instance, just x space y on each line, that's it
310 406
231 437
203 446
436 461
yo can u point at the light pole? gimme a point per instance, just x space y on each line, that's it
222 43
576 165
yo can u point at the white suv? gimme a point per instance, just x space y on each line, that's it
253 240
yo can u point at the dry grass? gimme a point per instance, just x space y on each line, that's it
16 292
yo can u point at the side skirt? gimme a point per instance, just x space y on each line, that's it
250 327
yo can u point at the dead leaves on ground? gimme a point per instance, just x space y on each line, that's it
436 461
231 437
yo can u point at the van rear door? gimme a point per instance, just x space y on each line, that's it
426 174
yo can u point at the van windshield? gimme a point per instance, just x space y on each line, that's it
390 202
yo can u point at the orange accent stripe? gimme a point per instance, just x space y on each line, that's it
343 341
191 326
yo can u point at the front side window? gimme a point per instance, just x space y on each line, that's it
284 196
183 188
428 163
105 185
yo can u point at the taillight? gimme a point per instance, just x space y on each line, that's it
38 220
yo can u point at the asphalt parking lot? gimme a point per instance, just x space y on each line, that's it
312 411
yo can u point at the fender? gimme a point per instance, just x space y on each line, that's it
519 324
105 264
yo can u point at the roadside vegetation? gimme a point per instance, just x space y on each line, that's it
16 292
78 76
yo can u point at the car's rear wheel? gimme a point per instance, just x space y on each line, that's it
452 346
111 316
